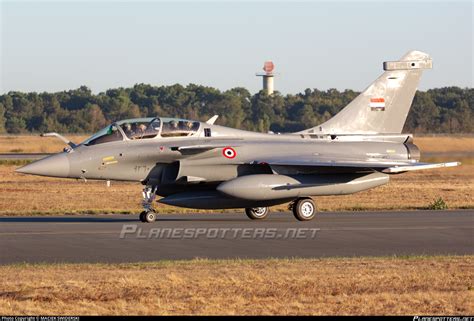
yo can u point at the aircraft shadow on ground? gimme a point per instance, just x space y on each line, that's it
68 219
131 219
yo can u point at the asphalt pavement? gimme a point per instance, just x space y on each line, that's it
122 238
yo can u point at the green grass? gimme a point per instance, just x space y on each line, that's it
438 205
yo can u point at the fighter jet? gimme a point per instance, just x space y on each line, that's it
201 165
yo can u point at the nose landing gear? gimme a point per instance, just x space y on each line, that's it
148 215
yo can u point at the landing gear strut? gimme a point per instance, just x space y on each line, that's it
148 215
257 213
304 209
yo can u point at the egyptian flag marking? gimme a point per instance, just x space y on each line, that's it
377 104
229 152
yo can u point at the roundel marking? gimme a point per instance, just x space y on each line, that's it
229 152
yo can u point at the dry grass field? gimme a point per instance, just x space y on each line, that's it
367 286
35 143
445 144
26 195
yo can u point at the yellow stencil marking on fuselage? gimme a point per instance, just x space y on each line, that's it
108 158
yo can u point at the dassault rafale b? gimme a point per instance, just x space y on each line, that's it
201 165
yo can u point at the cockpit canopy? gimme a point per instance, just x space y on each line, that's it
144 128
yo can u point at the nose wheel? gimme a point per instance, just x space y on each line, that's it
148 215
304 209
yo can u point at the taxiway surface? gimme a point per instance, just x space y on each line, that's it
233 235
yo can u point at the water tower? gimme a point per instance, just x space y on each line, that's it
267 76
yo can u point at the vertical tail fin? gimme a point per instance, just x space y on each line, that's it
383 106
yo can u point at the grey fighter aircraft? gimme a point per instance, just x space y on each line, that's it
201 165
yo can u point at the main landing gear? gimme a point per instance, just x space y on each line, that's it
257 213
303 209
148 215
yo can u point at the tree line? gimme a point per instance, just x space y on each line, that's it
440 110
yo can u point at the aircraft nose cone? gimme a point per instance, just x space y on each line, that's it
55 165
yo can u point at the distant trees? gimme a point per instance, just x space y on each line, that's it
2 119
441 110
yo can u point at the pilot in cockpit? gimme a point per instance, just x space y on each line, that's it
127 129
189 125
173 125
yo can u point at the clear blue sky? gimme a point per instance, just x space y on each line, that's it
53 46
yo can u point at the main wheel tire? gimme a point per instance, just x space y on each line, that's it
142 216
150 217
304 209
257 213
